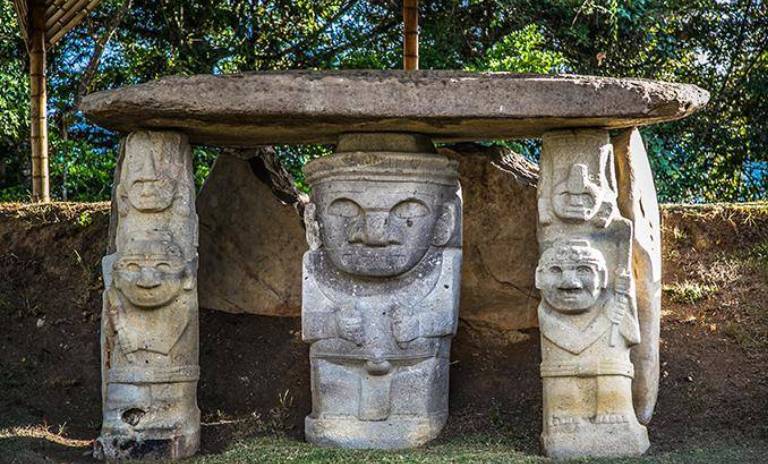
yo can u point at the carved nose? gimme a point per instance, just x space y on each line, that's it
147 170
148 279
570 282
576 199
376 225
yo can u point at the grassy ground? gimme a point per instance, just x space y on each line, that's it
23 446
467 450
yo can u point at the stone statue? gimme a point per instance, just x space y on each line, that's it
150 317
381 291
588 315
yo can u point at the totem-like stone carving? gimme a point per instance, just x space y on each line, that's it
149 332
587 316
381 291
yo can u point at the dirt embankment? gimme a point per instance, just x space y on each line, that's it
255 376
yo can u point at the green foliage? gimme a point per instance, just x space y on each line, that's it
202 162
294 158
520 51
720 154
79 172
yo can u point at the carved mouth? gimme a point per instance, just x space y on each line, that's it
570 292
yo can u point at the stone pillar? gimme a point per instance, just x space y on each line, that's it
149 332
381 291
587 315
637 202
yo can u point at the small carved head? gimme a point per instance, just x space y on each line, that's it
577 198
571 274
150 175
379 215
152 273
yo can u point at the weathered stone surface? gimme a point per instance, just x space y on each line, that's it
637 202
243 222
381 292
149 332
587 316
251 242
316 106
498 190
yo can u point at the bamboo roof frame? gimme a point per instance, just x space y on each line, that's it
43 23
61 16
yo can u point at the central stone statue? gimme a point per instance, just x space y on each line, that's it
381 290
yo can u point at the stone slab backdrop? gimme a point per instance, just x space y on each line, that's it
252 237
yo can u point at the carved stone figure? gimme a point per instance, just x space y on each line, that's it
149 322
588 316
381 291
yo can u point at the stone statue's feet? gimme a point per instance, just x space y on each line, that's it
124 447
596 439
397 432
564 421
611 419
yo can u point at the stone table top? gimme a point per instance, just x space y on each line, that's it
296 107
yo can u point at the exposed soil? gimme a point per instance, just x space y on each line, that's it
255 376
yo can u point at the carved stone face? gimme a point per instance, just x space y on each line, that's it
378 229
571 276
151 274
148 188
577 197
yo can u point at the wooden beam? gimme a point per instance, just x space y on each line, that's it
22 16
56 32
41 191
411 35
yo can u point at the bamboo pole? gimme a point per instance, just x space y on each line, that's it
411 35
38 99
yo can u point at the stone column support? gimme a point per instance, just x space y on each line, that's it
149 332
588 314
637 202
381 291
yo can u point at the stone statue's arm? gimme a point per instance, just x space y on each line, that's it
318 318
624 312
322 318
436 315
115 315
543 192
345 323
318 326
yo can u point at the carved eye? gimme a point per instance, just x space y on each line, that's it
556 270
584 270
163 267
410 209
133 267
344 208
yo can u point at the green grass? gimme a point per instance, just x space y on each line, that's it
465 451
689 292
49 445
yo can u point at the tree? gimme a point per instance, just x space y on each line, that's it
720 154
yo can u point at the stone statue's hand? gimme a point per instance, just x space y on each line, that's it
545 217
604 215
623 283
349 323
623 289
405 326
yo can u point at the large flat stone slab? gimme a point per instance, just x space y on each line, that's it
296 107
